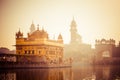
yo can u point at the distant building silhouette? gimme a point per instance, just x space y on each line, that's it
107 51
4 50
76 49
75 37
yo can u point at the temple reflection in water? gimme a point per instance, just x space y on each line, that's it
36 74
81 73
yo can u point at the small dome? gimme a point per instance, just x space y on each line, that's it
103 40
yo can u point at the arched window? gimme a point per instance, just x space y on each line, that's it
106 54
32 51
25 52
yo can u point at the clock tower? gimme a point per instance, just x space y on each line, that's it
75 37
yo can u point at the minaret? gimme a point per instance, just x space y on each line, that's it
75 37
32 28
73 31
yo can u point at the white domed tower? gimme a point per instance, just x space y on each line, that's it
32 28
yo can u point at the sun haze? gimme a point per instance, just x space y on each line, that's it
95 18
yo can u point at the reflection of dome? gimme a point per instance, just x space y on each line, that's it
38 34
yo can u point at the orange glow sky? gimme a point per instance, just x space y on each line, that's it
95 19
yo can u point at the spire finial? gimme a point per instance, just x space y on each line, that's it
73 20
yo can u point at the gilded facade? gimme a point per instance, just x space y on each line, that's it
37 43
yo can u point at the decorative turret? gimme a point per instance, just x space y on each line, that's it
19 34
60 39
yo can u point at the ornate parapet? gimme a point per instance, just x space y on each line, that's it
104 41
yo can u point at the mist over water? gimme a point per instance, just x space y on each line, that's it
81 72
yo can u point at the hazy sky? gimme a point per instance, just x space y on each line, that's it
95 19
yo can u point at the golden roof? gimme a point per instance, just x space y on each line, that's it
38 34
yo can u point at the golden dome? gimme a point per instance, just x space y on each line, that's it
38 34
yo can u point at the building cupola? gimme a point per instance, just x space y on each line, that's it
19 34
